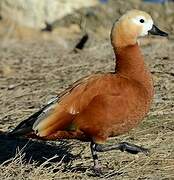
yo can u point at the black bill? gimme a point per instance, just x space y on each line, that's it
156 31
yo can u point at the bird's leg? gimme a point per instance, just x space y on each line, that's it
132 148
97 168
123 146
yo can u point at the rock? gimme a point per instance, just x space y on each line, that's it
35 13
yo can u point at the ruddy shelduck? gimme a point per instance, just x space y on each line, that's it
102 105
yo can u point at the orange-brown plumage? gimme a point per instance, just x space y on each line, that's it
101 105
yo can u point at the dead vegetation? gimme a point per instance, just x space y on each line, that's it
31 72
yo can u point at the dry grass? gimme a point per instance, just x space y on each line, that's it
32 72
38 72
71 160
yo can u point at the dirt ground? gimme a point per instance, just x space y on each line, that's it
36 66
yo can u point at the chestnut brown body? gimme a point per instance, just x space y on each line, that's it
101 105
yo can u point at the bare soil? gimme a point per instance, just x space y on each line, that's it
33 70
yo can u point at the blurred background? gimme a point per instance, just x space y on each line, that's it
45 45
65 19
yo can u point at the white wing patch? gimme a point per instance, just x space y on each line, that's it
47 110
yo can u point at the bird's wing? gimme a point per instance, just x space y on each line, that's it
26 126
58 112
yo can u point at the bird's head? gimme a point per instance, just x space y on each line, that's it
133 24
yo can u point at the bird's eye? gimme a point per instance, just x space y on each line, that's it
141 20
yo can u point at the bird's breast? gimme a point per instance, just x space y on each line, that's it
133 112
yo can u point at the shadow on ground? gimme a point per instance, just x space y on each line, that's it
35 151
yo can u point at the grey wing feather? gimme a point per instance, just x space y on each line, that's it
25 126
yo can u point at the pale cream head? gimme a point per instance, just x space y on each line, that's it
130 26
144 24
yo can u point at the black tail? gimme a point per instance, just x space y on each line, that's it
25 127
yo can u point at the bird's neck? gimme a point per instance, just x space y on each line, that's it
130 63
129 60
121 36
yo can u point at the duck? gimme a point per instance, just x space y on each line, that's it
102 105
